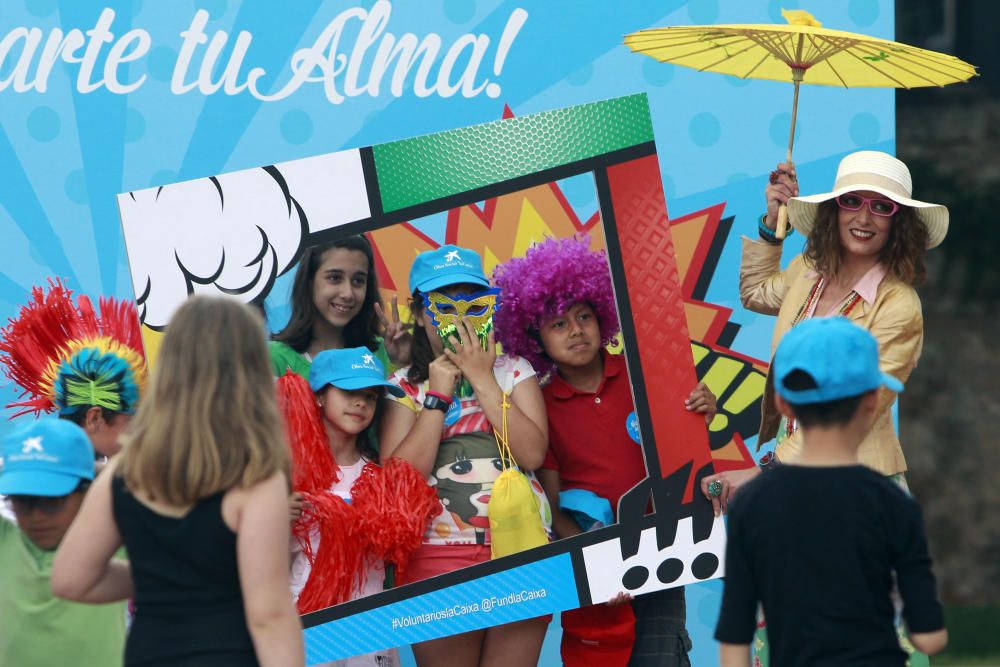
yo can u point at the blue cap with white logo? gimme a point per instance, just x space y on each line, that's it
842 358
47 457
350 368
448 265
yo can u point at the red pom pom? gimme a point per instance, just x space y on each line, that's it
394 505
314 469
337 566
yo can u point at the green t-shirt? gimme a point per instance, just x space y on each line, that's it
38 629
285 358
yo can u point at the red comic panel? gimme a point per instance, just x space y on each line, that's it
657 305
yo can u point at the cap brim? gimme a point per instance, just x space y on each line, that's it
350 384
892 383
589 504
37 483
802 211
438 282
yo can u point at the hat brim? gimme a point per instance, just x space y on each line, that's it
587 503
802 210
839 392
37 483
456 278
892 383
352 383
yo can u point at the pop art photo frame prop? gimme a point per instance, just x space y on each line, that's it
241 233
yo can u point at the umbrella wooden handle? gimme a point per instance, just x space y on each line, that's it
782 227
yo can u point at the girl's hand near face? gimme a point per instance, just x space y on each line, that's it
784 185
475 363
702 400
398 340
443 375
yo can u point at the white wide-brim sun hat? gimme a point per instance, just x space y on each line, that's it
878 172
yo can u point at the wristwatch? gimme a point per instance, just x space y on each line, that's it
435 403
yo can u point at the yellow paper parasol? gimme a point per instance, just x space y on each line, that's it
800 52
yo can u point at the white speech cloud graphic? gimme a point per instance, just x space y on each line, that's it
233 234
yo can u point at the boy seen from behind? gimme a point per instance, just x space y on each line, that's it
819 544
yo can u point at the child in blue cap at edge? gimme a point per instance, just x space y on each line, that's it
819 544
47 466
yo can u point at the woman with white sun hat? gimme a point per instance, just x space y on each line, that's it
864 253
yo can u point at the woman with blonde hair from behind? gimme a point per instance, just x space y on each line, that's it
199 499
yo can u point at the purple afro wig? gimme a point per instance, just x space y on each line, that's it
551 277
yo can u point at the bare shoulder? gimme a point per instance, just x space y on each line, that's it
238 499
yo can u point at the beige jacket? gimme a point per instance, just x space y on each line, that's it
894 319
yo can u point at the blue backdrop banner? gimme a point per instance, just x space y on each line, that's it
99 98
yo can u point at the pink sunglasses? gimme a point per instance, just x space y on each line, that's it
883 208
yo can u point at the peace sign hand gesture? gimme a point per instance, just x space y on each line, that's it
398 340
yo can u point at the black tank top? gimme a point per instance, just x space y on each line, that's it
189 606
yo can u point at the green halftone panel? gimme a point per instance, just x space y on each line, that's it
423 169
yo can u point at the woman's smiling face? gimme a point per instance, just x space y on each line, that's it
862 233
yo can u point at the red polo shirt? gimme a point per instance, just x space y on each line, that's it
589 444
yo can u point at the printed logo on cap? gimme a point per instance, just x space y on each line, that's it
32 444
452 258
367 363
32 450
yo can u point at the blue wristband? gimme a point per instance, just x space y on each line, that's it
768 234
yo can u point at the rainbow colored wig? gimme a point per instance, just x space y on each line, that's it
551 277
66 357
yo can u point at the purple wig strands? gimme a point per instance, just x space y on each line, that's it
552 276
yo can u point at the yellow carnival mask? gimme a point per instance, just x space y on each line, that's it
446 311
478 308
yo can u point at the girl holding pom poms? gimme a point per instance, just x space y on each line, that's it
359 520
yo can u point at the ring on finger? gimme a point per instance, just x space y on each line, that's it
715 488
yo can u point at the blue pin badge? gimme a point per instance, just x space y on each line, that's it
454 412
632 426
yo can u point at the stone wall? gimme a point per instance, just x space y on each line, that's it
951 407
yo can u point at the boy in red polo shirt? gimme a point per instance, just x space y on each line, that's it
559 313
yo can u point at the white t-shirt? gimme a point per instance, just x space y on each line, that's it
466 467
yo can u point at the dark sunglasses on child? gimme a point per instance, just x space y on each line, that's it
25 505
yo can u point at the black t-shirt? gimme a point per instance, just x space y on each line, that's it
817 548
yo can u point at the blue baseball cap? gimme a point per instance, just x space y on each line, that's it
841 357
47 457
350 368
448 265
588 509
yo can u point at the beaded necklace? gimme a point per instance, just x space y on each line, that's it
809 306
